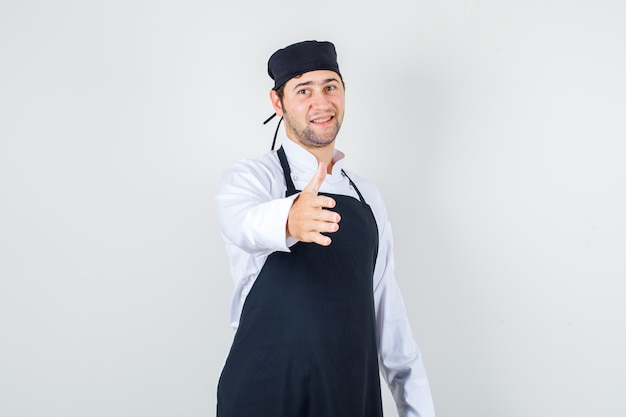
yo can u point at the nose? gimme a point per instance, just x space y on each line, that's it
320 100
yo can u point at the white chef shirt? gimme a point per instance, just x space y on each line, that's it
252 212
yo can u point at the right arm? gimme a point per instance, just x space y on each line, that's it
249 216
260 223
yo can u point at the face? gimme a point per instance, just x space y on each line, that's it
312 107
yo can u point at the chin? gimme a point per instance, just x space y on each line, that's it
318 142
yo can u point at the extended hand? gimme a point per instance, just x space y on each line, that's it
307 218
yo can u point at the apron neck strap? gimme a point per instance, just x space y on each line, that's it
291 188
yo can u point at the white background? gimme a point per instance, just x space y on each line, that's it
496 133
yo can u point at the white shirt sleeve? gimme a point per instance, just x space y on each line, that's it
400 358
248 215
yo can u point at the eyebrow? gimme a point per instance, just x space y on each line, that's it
307 83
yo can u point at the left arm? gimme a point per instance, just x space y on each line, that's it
400 358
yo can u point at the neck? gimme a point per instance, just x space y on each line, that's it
321 153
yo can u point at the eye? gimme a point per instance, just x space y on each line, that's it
303 91
331 87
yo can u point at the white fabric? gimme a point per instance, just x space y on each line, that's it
252 213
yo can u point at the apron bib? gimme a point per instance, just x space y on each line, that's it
306 341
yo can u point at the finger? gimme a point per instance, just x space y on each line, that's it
317 180
323 201
327 216
327 227
321 239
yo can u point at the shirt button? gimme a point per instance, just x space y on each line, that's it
295 178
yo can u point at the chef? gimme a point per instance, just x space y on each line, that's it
317 309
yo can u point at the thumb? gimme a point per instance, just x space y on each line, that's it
317 180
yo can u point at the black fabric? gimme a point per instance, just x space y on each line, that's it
282 158
299 58
306 342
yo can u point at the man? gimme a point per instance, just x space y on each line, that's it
317 309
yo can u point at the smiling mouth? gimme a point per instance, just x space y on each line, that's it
322 120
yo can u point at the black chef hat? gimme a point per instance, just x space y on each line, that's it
299 58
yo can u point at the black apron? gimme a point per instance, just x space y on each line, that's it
306 341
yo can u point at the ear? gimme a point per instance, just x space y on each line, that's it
278 108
